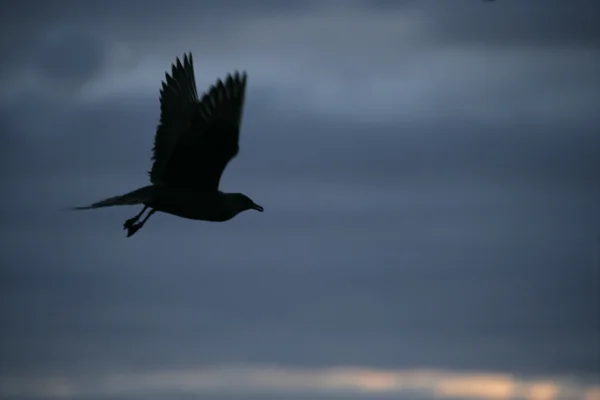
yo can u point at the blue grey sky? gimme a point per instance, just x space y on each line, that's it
430 175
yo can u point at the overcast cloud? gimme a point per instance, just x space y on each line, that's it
429 172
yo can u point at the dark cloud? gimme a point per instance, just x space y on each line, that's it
504 216
450 222
506 23
376 297
405 152
69 58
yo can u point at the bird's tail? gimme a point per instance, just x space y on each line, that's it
138 196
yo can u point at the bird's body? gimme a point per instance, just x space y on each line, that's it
203 206
194 142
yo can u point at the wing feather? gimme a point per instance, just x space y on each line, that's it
178 100
196 139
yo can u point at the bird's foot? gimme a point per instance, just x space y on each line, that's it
133 229
130 222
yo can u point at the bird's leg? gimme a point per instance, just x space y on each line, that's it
129 223
136 226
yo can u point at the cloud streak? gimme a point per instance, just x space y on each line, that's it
341 381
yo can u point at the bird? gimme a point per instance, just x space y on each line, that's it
195 140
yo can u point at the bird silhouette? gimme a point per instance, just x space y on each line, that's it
195 140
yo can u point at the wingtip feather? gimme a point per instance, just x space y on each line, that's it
77 208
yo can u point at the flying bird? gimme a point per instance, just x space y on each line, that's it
194 141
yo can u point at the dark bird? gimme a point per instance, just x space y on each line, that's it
195 140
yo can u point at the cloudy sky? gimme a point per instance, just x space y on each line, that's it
429 171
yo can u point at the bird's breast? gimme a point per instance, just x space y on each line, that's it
190 204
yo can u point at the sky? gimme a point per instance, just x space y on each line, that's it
429 172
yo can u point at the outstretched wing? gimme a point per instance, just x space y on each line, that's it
178 104
210 138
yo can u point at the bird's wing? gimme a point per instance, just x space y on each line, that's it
210 139
178 104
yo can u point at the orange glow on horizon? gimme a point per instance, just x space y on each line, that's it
350 381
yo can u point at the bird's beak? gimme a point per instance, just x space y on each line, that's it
258 208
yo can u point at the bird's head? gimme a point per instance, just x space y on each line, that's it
240 202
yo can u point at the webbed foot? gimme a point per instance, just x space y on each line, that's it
130 222
133 228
